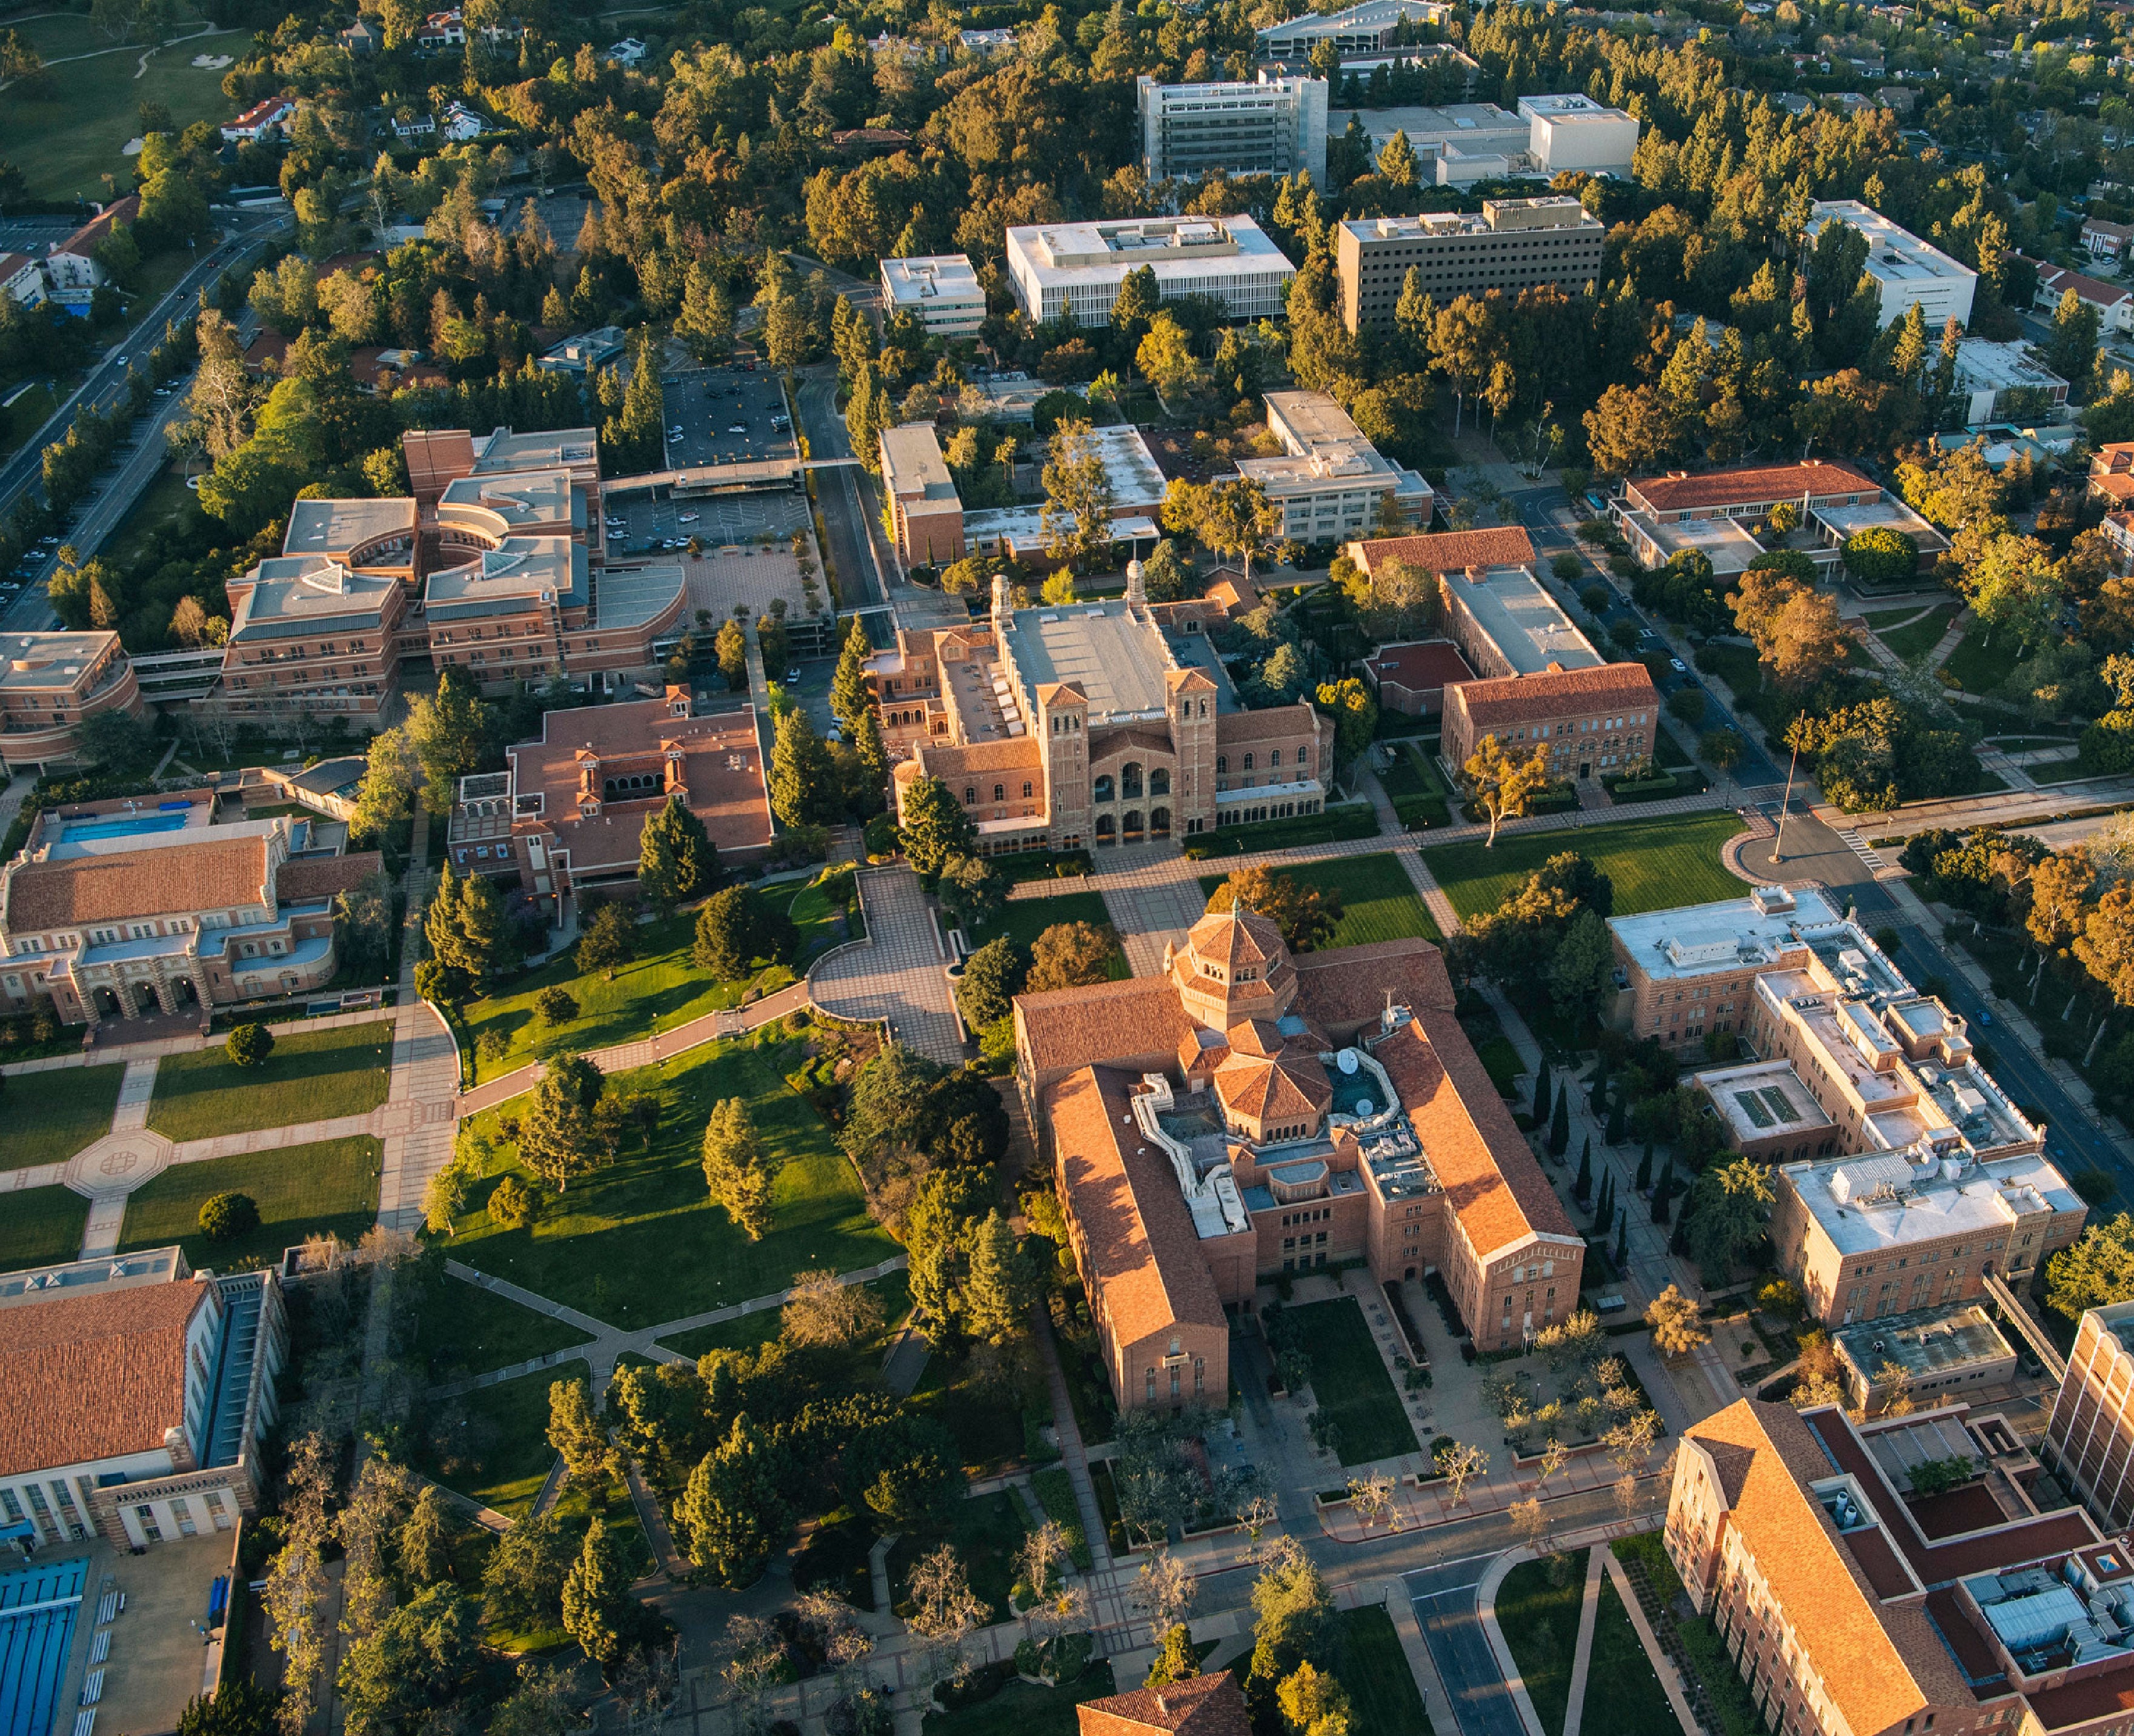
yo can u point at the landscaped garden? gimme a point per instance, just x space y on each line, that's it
1348 1380
759 1326
491 1445
41 1227
51 1116
1024 1709
1379 1680
1415 787
1977 665
462 1329
1908 632
310 1075
1023 920
1654 864
330 1188
987 1530
1539 1617
640 1242
1379 900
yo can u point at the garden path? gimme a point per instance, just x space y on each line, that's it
1582 1657
897 973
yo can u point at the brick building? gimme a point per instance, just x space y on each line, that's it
925 511
2089 1439
50 683
1248 1114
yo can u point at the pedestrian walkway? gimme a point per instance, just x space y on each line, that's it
610 1343
1582 1657
644 1052
1655 1653
898 974
1073 1456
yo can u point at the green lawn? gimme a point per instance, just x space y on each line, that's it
815 912
987 1425
51 1116
1918 639
656 991
41 1227
1349 1381
745 1332
331 1188
1023 1709
165 499
1025 919
1416 788
640 1242
506 1456
25 416
462 1329
1621 1686
312 1076
986 1531
1380 1681
1378 902
2060 771
1654 864
1979 666
66 135
1540 1623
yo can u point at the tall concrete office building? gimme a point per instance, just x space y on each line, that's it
1512 245
1275 126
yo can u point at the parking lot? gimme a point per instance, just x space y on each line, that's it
648 523
704 408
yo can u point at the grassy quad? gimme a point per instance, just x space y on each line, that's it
640 1242
41 1227
502 1456
1977 665
1655 864
759 1326
1380 1681
463 1330
1540 1623
329 1188
1620 1682
51 1116
1349 1381
66 134
312 1076
1378 902
1915 640
1023 920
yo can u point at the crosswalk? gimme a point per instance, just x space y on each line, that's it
1877 864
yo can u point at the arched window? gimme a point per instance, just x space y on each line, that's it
1000 792
1248 762
1102 789
1304 756
1130 780
1222 762
1106 829
1159 782
1158 822
970 795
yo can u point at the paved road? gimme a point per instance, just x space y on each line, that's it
1444 1600
837 492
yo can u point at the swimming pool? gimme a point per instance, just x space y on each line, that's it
127 826
37 1610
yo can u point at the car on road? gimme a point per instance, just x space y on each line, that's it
1985 1015
686 517
835 732
1678 665
675 431
737 427
791 676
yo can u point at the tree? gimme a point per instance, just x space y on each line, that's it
1295 1620
248 1045
2071 350
226 1215
971 893
1163 1591
419 1656
803 792
820 1311
999 1284
676 858
848 688
2015 584
1069 955
609 939
423 1542
1582 971
574 1431
1721 749
732 1509
731 648
598 1610
1500 784
738 925
1354 710
114 741
1076 519
1313 1702
1177 1659
945 1610
1732 1201
1795 627
556 1139
447 734
1673 1318
513 1204
1307 915
2094 1270
736 1168
992 976
555 1005
1881 555
240 1707
706 322
935 828
1458 1464
908 1470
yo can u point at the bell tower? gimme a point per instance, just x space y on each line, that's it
1191 699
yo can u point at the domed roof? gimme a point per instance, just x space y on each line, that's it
1236 936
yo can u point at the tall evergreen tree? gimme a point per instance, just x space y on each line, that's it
1662 1191
598 1610
732 1508
1597 1095
1615 1134
1559 1126
1645 1168
1585 1181
676 858
1541 1098
802 791
736 1168
849 688
1623 1240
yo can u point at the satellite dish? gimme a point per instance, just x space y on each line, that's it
1347 1058
1362 1108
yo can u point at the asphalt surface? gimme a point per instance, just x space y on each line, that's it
860 584
1445 1606
724 416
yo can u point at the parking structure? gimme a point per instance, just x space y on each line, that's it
708 405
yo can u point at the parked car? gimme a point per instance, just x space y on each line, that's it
737 427
1678 665
791 676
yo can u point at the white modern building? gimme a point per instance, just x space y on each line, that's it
1906 270
941 290
1990 376
1074 270
1364 29
1573 132
133 1394
1272 126
1330 481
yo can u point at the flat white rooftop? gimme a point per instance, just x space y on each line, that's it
1981 362
931 281
1198 247
1895 256
1523 620
1763 1100
1118 659
1879 1201
1695 940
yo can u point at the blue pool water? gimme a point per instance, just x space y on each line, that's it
37 1610
127 827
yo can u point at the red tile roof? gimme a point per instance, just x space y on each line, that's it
1101 1023
1424 666
83 240
1746 485
2058 280
83 1378
216 874
323 876
1201 1705
1548 694
1342 988
1448 551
